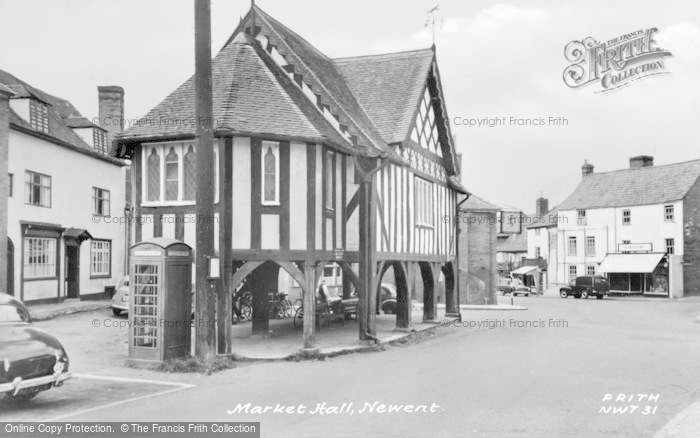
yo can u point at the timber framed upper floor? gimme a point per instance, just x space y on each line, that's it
293 128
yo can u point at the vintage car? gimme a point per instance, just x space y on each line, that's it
120 301
387 298
585 286
31 360
513 286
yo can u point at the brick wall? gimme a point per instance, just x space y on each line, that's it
691 238
4 185
477 258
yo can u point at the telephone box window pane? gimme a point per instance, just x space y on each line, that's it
145 330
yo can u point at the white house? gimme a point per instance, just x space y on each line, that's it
63 198
639 226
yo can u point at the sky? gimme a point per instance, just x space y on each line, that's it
496 60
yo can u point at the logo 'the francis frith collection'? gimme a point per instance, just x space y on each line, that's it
615 63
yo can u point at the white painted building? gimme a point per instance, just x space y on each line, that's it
65 200
638 226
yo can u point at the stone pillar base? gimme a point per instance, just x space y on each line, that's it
309 353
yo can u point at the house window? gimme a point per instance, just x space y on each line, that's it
670 246
573 251
11 182
100 258
153 176
37 189
172 177
590 270
271 173
581 217
424 202
537 231
626 217
100 202
669 213
99 139
190 175
329 180
39 257
590 246
572 272
537 252
38 116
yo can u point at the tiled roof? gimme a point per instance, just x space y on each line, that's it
251 96
59 112
331 81
389 87
475 203
630 187
551 219
512 243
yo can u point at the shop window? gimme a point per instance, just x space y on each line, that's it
39 257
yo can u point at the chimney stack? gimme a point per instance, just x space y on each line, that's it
541 206
586 169
641 161
111 100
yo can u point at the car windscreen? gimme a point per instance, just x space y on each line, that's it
11 313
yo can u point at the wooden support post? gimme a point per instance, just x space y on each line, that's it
451 304
429 274
206 290
404 290
225 292
309 304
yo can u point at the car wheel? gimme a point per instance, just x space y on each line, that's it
600 297
563 294
116 312
584 294
21 397
577 296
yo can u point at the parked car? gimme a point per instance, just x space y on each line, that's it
512 286
31 360
387 296
585 286
120 301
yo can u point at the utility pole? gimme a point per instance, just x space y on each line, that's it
205 331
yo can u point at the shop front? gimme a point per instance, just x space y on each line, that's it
643 273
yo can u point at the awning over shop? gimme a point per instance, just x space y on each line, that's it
524 270
630 263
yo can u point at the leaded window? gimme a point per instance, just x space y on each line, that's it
190 175
154 176
172 164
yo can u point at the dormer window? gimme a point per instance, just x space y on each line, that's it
39 116
99 139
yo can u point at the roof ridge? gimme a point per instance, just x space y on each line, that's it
388 54
644 168
380 148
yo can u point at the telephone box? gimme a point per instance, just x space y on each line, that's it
160 306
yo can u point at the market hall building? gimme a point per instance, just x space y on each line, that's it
639 226
319 161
